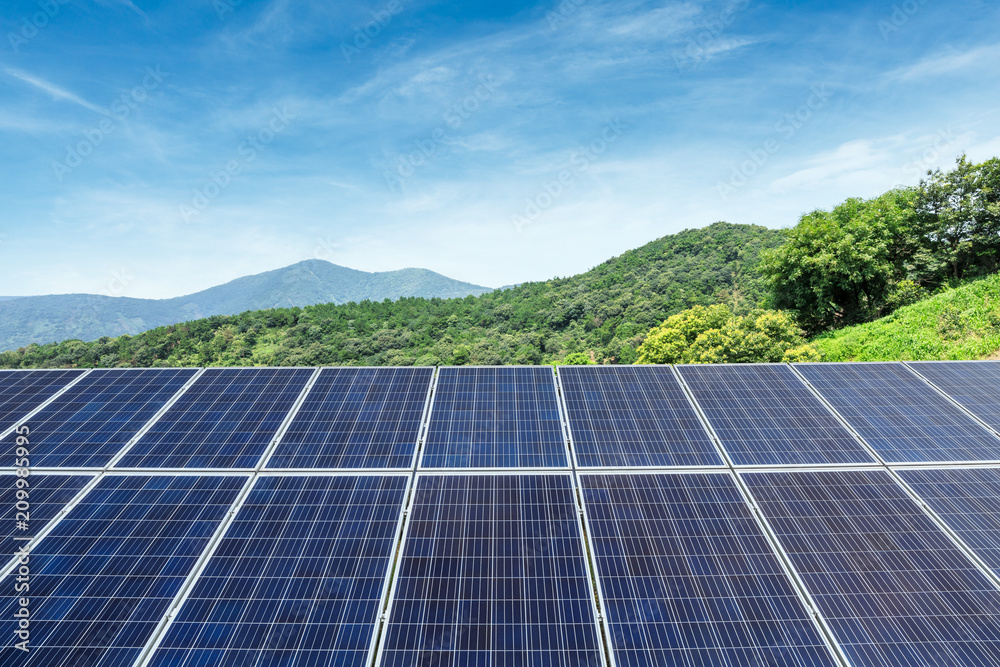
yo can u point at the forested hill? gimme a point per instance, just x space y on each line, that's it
602 312
41 319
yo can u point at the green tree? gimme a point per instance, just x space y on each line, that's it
962 212
576 359
716 335
839 267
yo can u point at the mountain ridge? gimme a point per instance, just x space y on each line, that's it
55 317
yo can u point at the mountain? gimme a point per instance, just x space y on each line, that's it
43 319
603 313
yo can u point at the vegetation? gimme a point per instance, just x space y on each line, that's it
865 258
716 335
602 314
725 293
962 323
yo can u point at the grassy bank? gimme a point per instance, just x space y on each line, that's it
962 323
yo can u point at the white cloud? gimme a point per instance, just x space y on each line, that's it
967 62
55 91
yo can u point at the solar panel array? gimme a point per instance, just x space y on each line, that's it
495 417
357 418
225 420
300 572
809 515
635 416
90 422
688 577
492 572
973 384
23 391
764 415
891 584
903 418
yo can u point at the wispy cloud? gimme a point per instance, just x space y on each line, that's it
128 4
55 91
950 63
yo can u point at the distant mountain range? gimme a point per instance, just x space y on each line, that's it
45 319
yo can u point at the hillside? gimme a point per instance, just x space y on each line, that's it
962 323
42 319
603 312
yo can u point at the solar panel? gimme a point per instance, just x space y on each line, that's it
764 415
492 572
357 418
103 578
973 384
489 417
226 419
687 576
893 587
89 423
968 501
902 418
299 577
23 391
44 496
633 416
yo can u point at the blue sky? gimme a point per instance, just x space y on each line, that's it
151 149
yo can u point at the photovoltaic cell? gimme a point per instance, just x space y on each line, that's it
764 415
492 572
688 578
973 384
357 418
23 391
633 416
226 419
486 417
104 577
893 587
298 578
46 496
88 424
968 500
902 418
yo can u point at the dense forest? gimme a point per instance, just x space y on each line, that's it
857 263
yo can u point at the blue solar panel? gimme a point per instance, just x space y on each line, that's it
968 500
902 418
89 423
633 416
687 576
226 419
298 579
23 391
357 418
893 587
101 581
973 384
764 415
492 572
45 496
489 417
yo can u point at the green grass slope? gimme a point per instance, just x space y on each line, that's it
962 323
